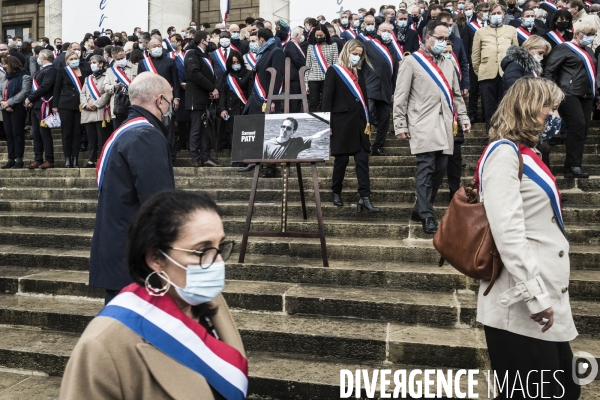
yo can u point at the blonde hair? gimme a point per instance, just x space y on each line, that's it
518 120
585 25
344 57
69 54
537 42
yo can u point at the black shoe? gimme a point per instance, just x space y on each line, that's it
270 173
18 164
247 168
238 164
575 172
83 148
337 200
379 152
210 163
429 226
67 163
9 164
90 164
74 162
365 202
415 217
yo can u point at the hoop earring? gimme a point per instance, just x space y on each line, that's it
160 291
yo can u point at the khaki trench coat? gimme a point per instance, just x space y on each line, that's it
111 80
489 49
85 98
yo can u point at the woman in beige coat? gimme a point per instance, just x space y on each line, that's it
168 335
95 109
526 315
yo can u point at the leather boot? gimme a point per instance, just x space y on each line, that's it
75 162
68 162
365 202
337 200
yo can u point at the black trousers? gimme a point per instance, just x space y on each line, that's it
380 111
118 121
544 148
14 127
491 94
42 138
511 353
361 160
474 93
199 140
454 169
97 136
183 135
576 112
315 95
431 167
295 105
70 124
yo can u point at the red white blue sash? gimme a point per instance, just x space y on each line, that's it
350 34
413 26
235 88
259 90
220 56
589 3
92 88
171 55
299 48
399 49
364 38
159 321
437 75
101 167
457 66
251 59
209 64
149 65
523 33
74 78
287 39
556 37
121 76
587 61
168 43
353 86
551 5
474 25
234 48
46 104
384 52
320 57
342 29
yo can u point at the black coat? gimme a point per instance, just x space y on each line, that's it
517 64
66 96
339 42
566 69
272 57
242 46
297 60
200 80
166 68
347 119
45 78
230 101
139 165
380 80
59 61
568 36
219 71
16 53
461 54
411 40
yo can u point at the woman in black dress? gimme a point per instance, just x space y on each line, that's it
345 96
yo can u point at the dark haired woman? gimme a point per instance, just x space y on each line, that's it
345 97
14 89
182 116
235 88
321 55
27 52
559 30
95 109
170 333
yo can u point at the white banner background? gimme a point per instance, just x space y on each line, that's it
330 9
82 16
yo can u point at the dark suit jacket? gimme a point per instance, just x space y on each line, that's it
229 100
347 119
380 80
339 42
242 45
218 70
16 53
45 78
411 40
297 60
461 54
66 96
59 61
200 79
166 68
139 165
272 57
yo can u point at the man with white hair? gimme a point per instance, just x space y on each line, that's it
297 61
135 163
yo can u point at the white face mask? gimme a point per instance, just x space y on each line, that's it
356 23
78 52
370 28
121 63
538 58
469 13
354 59
94 67
485 16
224 42
156 52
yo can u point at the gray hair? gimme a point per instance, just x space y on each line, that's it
297 31
494 6
48 55
12 45
146 87
539 12
98 58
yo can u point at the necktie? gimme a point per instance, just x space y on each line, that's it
225 54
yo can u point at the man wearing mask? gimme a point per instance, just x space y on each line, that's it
512 12
135 164
143 41
13 50
137 31
434 10
46 43
380 78
220 56
424 110
253 48
160 64
408 38
478 21
40 100
119 76
369 31
527 26
458 53
353 28
200 89
297 61
241 46
489 49
345 22
415 21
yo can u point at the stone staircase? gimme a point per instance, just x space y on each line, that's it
383 303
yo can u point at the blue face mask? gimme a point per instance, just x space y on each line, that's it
74 64
439 47
235 35
39 62
587 40
448 56
254 47
236 67
496 20
528 22
354 59
552 128
402 24
201 284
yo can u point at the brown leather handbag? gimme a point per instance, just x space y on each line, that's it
464 238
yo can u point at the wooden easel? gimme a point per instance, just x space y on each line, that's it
286 97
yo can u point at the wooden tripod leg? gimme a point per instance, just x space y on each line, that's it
301 185
319 214
249 213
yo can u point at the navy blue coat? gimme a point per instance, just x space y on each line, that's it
45 78
272 57
139 165
297 60
461 54
379 79
411 40
166 68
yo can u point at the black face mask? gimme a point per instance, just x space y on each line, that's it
511 6
58 46
562 26
417 18
319 39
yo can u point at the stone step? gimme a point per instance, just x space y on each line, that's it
28 385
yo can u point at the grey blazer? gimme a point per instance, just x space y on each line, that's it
22 95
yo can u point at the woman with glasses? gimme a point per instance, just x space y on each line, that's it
572 65
170 333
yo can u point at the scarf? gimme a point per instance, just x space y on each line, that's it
270 43
16 82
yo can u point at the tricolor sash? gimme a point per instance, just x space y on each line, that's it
364 38
235 88
220 56
523 33
299 48
556 37
342 29
149 65
457 66
287 39
352 84
234 48
589 3
474 25
180 58
209 64
551 5
384 52
171 55
159 321
101 166
350 34
55 52
46 104
398 49
74 79
413 26
251 59
587 61
168 43
121 76
259 90
92 88
437 75
320 57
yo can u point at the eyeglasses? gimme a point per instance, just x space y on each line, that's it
442 39
589 34
208 256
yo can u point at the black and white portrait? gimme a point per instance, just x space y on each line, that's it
294 136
